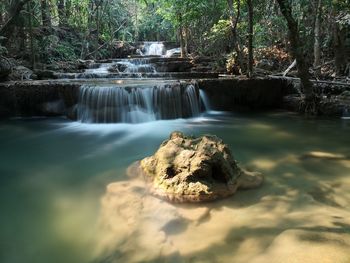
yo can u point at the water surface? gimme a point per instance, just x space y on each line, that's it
54 173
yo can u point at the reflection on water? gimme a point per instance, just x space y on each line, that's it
55 206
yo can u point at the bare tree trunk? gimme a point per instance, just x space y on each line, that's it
296 47
186 39
6 29
22 39
340 54
317 48
45 13
31 40
181 35
62 20
68 7
250 38
98 7
136 22
2 15
91 31
234 21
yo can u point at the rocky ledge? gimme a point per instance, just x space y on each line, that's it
189 169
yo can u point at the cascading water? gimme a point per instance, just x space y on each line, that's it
100 69
121 66
204 100
138 100
137 66
193 101
134 67
171 52
136 104
154 49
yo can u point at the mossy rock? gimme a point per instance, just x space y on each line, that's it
189 169
5 68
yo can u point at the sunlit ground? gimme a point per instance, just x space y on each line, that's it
65 195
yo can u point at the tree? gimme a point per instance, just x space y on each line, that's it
228 30
250 38
15 10
2 14
317 32
298 53
341 28
45 13
234 21
62 13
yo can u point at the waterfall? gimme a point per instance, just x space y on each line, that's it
171 52
100 69
122 66
346 113
154 49
137 66
204 100
193 101
136 104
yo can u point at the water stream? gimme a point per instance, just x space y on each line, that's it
54 174
65 195
132 65
154 49
144 102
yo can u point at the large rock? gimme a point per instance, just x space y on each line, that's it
5 68
266 64
188 169
20 73
45 74
84 64
123 49
174 66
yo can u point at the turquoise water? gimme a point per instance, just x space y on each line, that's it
54 172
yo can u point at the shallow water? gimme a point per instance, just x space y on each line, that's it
54 173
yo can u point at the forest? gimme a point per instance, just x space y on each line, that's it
240 35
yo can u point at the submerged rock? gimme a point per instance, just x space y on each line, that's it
324 155
188 169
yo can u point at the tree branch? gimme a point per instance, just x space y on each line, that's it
93 52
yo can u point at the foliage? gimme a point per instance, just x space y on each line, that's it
219 38
89 28
275 55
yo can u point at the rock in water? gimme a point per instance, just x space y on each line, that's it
187 169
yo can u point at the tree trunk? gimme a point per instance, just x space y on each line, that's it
22 39
2 15
181 36
234 20
6 29
186 39
67 8
91 30
250 39
317 48
297 48
136 23
45 13
31 40
61 13
98 7
340 54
